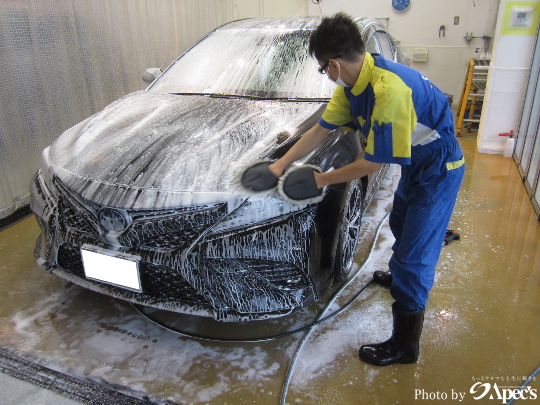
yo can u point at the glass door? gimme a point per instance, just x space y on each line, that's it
527 150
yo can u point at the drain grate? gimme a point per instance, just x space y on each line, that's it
84 391
17 216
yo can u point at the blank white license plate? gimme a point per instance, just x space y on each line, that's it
119 269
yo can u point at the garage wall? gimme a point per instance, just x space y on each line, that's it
63 60
268 8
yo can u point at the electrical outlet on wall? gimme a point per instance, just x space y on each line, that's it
456 20
420 53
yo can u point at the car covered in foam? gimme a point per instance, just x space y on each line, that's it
139 200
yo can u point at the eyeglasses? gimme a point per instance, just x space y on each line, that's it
322 68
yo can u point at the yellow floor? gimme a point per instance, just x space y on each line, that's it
482 321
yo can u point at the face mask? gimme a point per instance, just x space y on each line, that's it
339 81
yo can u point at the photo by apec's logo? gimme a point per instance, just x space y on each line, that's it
481 391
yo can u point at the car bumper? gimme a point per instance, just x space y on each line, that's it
251 272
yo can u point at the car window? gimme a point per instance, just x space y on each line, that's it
266 63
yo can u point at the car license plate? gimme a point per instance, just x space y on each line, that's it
116 268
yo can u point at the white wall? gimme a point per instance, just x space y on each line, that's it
268 8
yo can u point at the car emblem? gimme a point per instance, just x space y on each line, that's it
112 220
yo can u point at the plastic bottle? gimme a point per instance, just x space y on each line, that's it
509 147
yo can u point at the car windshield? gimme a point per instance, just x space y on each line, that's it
264 63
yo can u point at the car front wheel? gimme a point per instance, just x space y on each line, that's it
351 218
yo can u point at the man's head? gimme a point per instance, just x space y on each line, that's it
336 36
339 49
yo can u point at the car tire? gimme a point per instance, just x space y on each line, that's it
349 231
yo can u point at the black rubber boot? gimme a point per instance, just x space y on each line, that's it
383 278
403 346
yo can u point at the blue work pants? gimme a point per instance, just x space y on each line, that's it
423 204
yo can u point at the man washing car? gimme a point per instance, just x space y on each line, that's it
407 121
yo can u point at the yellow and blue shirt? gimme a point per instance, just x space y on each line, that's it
395 107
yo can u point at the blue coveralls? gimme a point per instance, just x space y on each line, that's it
408 121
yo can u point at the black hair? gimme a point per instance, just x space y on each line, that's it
336 36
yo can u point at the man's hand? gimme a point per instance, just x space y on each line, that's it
354 170
319 181
298 185
256 177
310 141
275 169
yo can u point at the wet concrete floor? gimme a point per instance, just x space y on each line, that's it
482 321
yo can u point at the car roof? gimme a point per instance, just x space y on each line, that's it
307 23
277 23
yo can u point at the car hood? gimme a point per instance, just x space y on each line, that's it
149 150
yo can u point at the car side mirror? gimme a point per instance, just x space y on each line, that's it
151 74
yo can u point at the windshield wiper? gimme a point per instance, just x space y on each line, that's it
250 97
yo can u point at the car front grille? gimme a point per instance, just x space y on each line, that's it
159 229
74 218
164 282
158 282
283 275
171 240
69 257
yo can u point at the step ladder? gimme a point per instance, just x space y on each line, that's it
472 95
